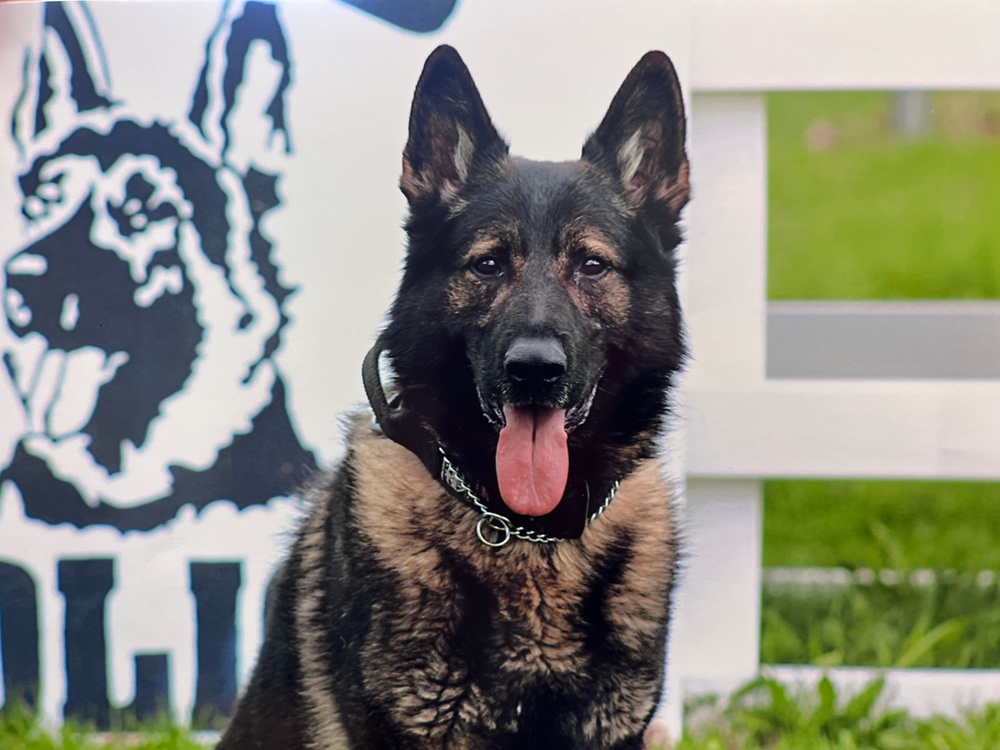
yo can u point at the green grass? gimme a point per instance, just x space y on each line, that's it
766 714
20 731
953 622
882 524
874 216
762 715
945 526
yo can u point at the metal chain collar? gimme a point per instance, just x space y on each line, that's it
500 524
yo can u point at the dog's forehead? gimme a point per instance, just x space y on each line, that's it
556 184
531 197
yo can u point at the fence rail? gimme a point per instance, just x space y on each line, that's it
884 340
767 45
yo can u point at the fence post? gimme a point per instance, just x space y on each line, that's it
716 623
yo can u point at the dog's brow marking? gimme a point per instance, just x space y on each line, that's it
28 264
593 241
483 244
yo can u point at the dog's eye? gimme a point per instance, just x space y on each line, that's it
488 266
594 267
46 195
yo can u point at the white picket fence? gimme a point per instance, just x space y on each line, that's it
740 424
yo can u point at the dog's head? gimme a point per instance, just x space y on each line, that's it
144 295
551 285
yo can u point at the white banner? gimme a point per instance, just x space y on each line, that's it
199 236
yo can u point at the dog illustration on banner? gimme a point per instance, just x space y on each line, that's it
145 305
146 448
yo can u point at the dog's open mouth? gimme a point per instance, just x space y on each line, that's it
532 459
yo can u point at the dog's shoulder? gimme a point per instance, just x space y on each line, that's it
406 515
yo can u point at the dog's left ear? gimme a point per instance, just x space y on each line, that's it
451 134
67 77
641 139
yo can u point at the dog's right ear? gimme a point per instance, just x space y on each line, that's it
451 135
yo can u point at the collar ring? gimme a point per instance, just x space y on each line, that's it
496 523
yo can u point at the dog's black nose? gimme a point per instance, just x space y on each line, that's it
535 360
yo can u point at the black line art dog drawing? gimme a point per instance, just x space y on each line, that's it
145 305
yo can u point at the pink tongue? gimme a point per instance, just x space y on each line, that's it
532 460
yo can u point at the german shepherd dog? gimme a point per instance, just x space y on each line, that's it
491 564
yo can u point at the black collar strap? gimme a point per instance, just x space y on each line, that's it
398 423
408 430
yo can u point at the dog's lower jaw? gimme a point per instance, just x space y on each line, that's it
491 410
576 413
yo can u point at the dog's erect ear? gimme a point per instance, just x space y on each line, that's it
66 76
239 101
451 134
641 139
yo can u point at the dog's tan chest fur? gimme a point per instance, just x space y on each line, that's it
412 523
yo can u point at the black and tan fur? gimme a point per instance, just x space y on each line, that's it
391 624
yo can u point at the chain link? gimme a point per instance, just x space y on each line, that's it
607 501
499 523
